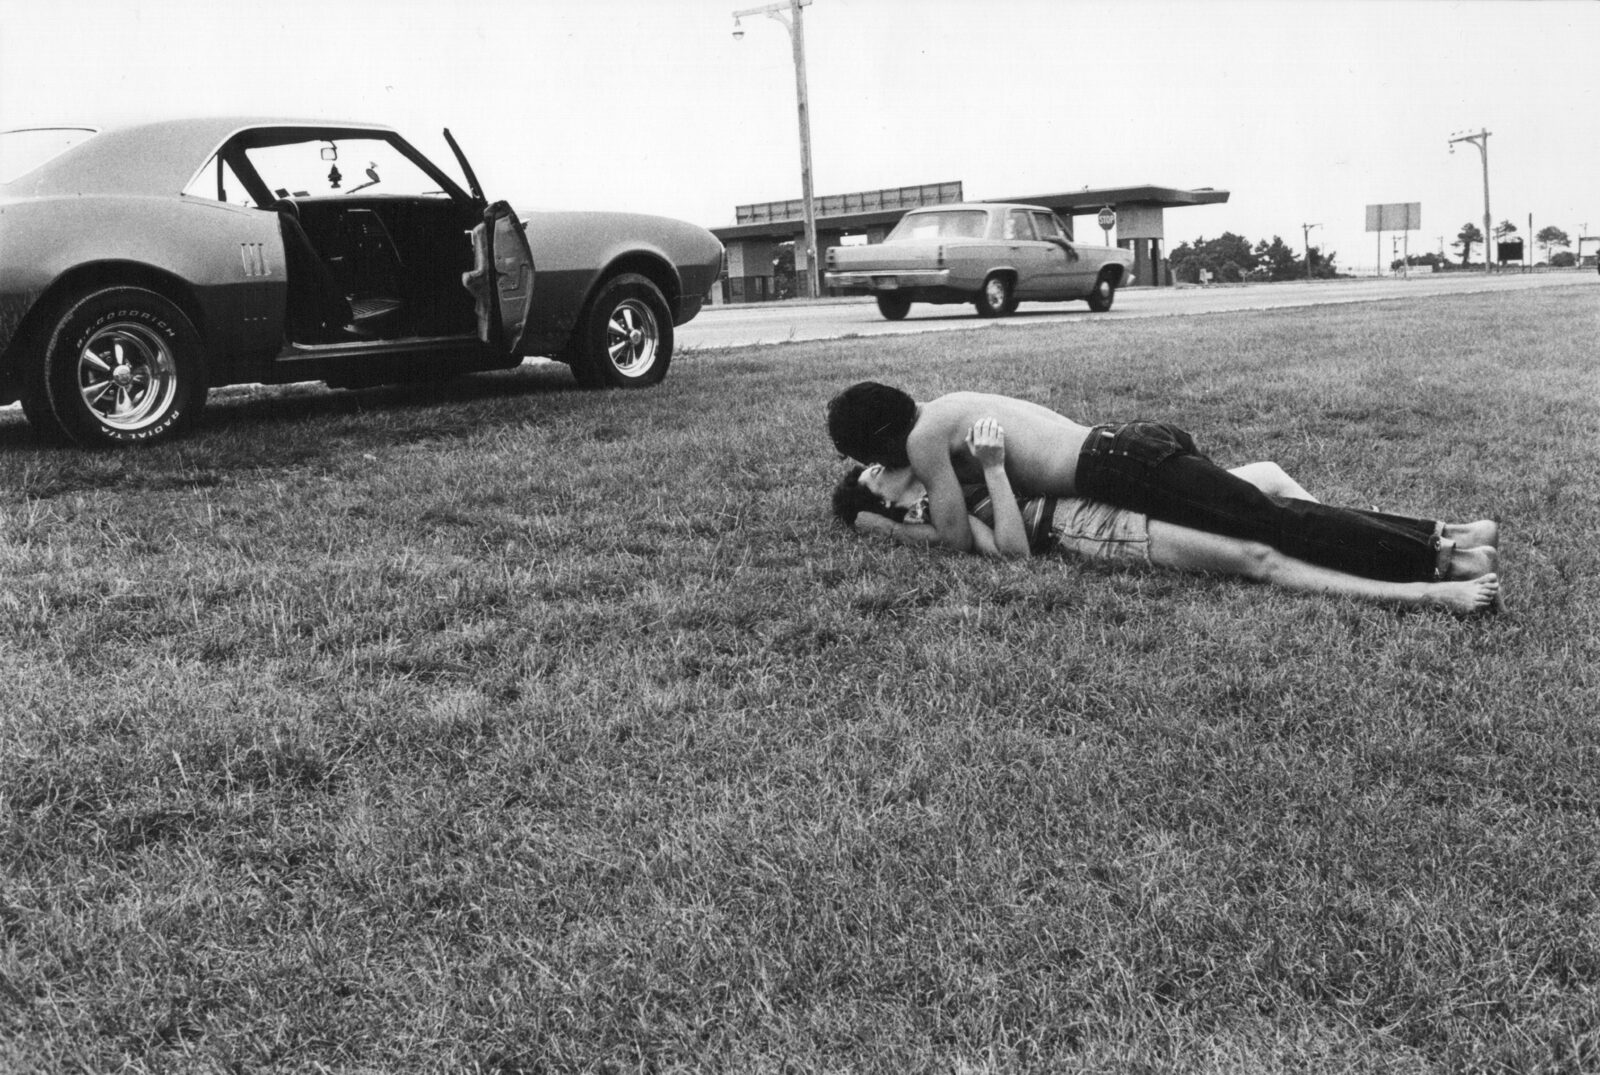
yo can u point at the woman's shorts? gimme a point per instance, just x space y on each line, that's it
1097 531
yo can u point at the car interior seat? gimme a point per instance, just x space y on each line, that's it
318 309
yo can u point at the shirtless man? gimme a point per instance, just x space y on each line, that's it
1144 467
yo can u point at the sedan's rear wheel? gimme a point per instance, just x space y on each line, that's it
625 335
123 366
1104 293
997 298
894 307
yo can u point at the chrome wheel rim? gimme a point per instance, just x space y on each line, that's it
994 293
633 338
127 376
1103 290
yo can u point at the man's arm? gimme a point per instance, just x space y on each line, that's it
930 462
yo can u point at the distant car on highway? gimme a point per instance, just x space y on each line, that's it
993 255
142 264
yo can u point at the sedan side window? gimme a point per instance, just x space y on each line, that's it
1018 226
1045 224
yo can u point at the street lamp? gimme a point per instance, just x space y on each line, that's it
1305 236
788 12
1481 140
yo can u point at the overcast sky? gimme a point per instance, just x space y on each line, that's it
1306 111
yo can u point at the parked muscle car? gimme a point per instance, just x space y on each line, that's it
992 255
142 264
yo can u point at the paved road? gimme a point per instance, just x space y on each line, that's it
738 326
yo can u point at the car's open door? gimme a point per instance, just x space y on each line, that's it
501 280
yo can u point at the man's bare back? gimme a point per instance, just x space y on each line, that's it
1041 446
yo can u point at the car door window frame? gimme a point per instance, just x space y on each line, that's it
1017 219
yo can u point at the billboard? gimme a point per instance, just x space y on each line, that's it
1396 216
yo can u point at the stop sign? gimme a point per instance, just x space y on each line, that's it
1107 219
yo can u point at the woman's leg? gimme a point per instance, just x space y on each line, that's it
1272 479
1183 549
1154 469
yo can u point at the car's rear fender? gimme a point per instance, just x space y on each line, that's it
33 332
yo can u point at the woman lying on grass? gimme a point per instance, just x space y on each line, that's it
894 503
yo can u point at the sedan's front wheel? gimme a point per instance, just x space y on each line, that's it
1104 293
625 335
123 366
996 299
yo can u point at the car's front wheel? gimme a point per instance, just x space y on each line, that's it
624 336
1104 293
997 298
894 307
123 366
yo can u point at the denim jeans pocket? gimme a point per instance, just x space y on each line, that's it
1151 443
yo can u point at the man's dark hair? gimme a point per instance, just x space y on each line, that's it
851 498
869 422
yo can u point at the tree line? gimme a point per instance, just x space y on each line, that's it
1550 238
1231 258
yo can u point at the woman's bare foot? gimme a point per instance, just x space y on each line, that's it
1468 596
1473 563
1471 535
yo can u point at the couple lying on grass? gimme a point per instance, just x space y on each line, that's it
950 472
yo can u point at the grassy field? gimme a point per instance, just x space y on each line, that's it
504 727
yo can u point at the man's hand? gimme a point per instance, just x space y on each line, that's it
987 443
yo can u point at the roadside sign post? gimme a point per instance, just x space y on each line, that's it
1107 219
1397 216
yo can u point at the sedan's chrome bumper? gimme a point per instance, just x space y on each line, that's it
892 280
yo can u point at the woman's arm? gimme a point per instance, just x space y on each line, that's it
918 534
987 442
922 535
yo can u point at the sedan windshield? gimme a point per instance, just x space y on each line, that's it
962 224
23 151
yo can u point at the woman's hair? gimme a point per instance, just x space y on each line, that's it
869 422
851 498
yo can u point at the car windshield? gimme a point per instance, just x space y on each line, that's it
962 224
23 151
330 168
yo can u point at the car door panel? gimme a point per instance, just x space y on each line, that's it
1028 254
501 280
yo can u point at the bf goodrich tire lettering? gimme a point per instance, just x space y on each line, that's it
123 366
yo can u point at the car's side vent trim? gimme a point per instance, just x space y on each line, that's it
254 257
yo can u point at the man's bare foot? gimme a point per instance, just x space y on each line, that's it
1468 596
1473 563
1471 535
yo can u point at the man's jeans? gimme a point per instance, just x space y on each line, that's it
1155 469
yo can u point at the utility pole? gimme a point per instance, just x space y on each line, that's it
1481 140
1305 241
788 12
